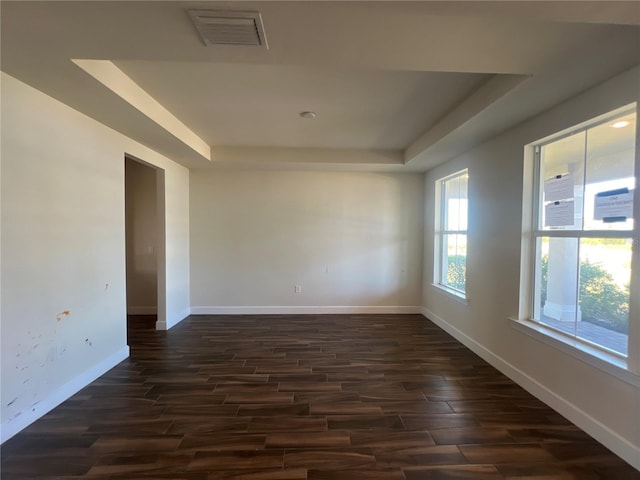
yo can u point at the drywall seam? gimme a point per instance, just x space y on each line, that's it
610 439
10 428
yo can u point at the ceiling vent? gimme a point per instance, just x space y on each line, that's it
220 27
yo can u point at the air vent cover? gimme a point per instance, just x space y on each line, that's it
221 27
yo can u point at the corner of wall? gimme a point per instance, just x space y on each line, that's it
172 322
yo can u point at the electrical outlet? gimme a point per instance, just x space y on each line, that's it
297 288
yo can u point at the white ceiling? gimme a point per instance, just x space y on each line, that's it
396 85
355 108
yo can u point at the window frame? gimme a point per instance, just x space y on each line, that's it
598 355
440 234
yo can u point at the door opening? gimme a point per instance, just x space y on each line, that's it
144 232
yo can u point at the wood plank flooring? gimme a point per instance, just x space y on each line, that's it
315 397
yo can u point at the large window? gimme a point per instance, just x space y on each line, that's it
451 233
583 231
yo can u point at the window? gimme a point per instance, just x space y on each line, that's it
451 233
583 231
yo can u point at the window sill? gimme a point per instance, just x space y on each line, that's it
597 358
454 295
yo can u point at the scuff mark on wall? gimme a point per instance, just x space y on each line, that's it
15 416
88 342
106 287
12 402
65 313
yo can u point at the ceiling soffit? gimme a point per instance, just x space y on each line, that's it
390 80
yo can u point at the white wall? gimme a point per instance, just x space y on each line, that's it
141 234
605 406
63 250
350 240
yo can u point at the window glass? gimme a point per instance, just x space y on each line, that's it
584 235
605 274
454 262
609 169
451 232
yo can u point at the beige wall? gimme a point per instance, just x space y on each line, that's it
63 313
604 405
141 236
348 239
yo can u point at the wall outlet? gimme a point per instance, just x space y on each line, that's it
297 288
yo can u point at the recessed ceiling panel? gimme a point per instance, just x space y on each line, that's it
260 105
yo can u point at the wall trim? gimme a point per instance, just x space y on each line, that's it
149 310
166 325
594 357
302 310
609 438
10 428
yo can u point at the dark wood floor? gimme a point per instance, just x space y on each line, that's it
305 397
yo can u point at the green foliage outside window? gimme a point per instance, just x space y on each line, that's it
457 272
602 300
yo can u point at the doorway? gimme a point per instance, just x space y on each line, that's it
144 233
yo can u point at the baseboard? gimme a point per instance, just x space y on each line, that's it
10 428
150 310
282 310
610 439
162 325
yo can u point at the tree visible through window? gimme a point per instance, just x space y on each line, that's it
451 232
583 231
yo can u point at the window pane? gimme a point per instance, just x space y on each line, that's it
563 158
605 274
556 283
450 189
455 203
610 158
454 262
462 201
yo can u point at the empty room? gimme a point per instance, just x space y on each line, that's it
305 240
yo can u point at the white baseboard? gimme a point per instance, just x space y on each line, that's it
609 438
150 310
304 310
10 428
162 325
